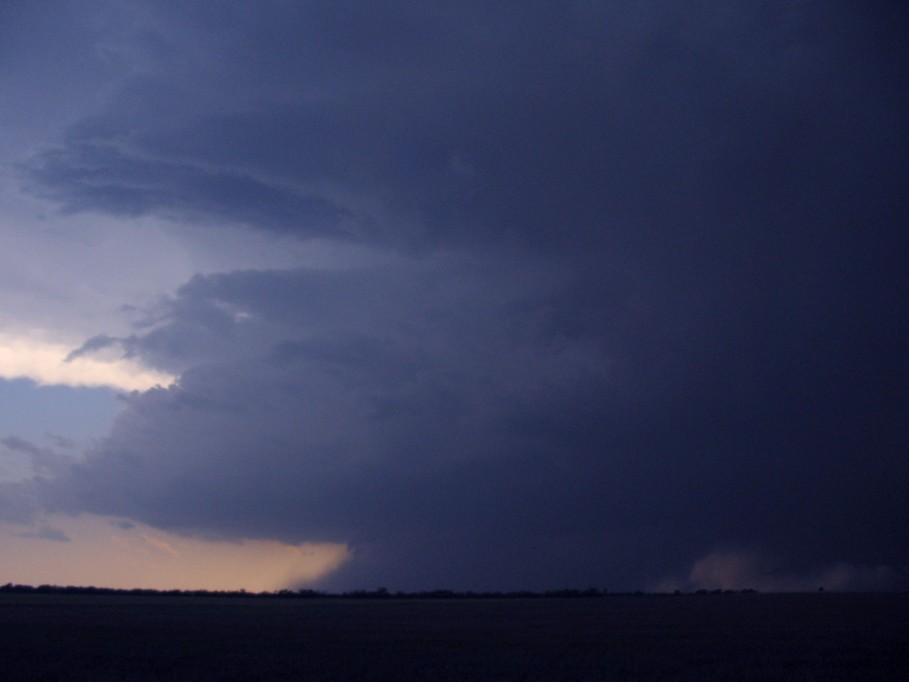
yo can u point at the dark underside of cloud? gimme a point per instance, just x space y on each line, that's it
647 299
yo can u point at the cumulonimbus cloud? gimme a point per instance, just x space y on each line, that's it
632 292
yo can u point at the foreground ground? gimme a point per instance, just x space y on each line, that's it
731 637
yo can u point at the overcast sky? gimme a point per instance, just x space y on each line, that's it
472 295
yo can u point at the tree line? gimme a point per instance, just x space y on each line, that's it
380 593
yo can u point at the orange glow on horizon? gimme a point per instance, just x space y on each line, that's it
105 552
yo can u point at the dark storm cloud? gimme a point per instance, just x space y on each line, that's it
458 440
43 459
549 127
649 302
94 176
385 423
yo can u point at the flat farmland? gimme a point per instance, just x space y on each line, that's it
688 637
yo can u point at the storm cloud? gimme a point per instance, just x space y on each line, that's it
635 287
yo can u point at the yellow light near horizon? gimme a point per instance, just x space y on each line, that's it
104 553
44 362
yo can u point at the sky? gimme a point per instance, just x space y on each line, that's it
473 296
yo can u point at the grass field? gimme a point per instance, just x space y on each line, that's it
690 637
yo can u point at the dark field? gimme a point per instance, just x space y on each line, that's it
729 636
